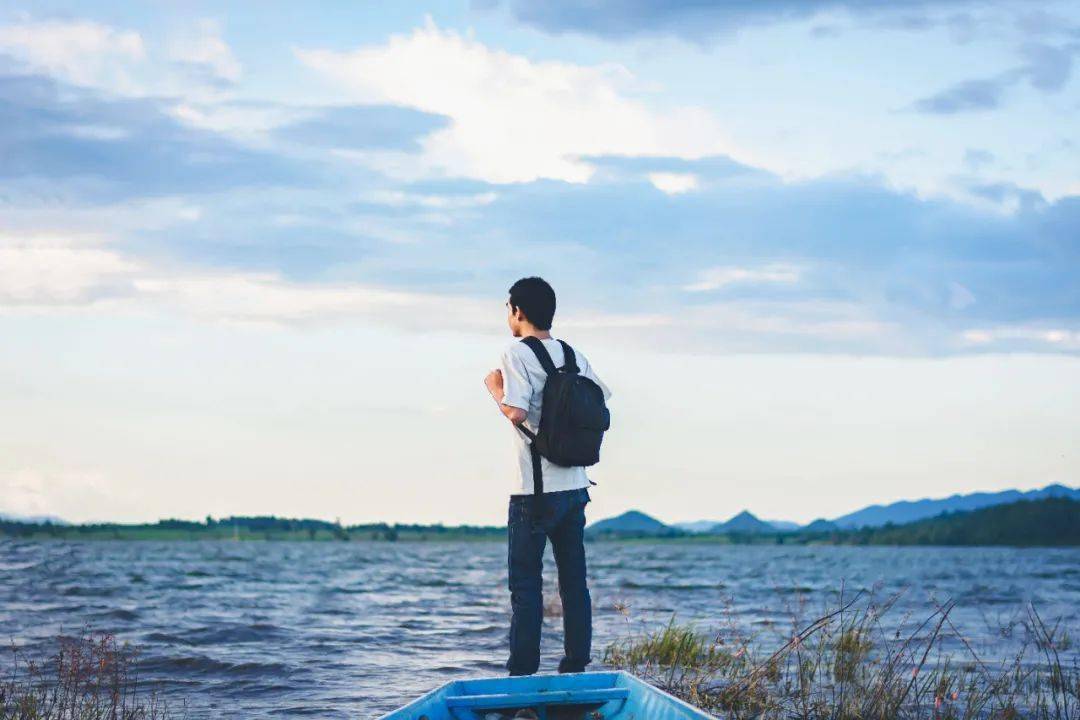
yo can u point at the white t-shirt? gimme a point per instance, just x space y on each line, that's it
523 387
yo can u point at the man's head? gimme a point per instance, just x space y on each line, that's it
531 305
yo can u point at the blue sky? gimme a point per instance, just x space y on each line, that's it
254 259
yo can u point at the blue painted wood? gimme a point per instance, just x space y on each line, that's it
541 697
614 695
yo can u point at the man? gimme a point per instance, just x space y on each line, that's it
518 388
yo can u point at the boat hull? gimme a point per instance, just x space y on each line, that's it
589 696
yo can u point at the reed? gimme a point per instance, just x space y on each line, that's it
90 677
847 665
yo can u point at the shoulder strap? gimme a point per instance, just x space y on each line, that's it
569 359
537 346
538 481
541 354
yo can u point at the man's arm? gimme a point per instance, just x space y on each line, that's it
494 384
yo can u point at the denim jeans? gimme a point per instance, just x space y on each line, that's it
563 521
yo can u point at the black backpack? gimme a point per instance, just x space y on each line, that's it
573 416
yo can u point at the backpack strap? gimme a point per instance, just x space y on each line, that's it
541 353
548 364
538 481
537 471
569 359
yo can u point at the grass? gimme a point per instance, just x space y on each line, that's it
846 665
90 677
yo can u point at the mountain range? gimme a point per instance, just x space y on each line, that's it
907 511
873 516
903 512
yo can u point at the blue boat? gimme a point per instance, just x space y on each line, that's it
577 696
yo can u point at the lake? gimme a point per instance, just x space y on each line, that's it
257 629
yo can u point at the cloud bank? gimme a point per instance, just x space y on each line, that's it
449 166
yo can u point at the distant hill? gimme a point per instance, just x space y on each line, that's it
631 522
897 513
907 511
820 525
1050 521
744 522
639 523
1046 522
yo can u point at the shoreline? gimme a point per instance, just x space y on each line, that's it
498 536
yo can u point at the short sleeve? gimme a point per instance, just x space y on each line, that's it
516 388
587 371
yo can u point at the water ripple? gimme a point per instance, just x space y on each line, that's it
327 630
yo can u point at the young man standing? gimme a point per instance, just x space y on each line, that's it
518 388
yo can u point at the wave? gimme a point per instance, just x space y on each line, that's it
204 665
635 585
120 614
227 635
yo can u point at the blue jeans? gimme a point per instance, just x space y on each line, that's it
563 520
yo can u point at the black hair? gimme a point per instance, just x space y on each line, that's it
534 297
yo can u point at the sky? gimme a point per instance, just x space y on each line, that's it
253 257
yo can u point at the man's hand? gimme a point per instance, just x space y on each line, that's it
494 383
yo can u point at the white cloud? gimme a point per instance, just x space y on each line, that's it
398 198
64 272
45 263
205 47
748 326
82 52
514 119
243 120
960 297
673 183
197 68
59 278
56 273
52 219
267 298
609 321
1053 337
718 277
52 271
830 321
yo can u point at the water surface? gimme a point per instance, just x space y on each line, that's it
335 630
